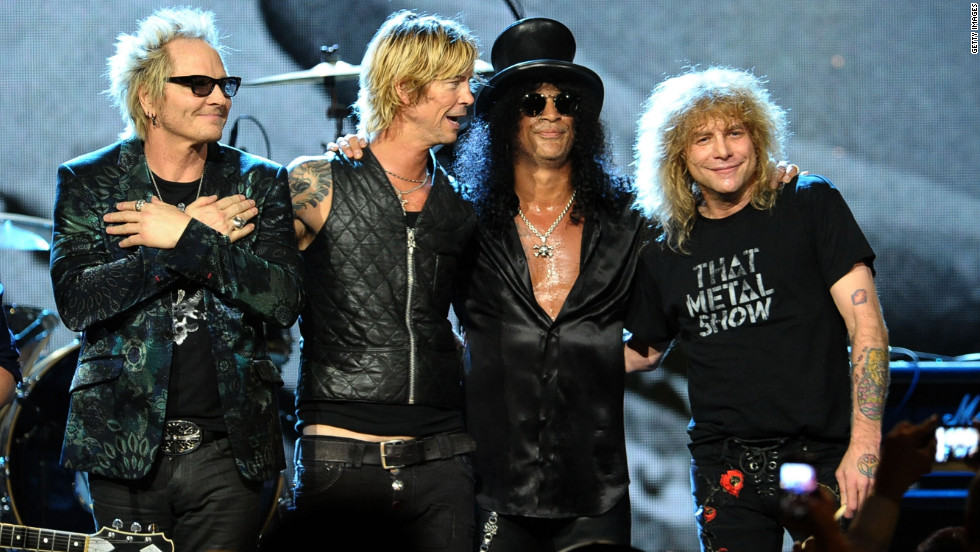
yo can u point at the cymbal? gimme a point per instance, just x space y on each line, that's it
24 233
482 67
338 70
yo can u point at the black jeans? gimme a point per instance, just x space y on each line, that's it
199 500
736 489
611 530
427 507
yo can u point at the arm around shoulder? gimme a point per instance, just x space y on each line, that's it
641 357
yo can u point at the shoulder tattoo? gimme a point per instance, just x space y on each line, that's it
310 183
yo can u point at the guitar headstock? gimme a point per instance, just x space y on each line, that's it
114 540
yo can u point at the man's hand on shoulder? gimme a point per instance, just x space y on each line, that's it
784 173
351 145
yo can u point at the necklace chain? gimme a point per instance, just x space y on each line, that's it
545 250
403 193
422 181
180 206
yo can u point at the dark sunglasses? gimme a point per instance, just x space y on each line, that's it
533 104
203 86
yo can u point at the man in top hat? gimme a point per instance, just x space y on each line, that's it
546 300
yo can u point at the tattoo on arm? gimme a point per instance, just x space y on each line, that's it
868 465
859 297
309 184
873 385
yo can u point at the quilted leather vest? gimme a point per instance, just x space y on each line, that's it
375 326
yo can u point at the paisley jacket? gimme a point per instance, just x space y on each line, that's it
121 300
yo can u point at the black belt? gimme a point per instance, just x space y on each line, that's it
387 454
184 437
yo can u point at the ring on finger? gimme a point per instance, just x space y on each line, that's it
139 205
238 221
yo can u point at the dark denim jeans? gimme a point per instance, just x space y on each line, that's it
199 500
736 489
426 507
607 531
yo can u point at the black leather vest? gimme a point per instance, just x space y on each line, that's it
375 327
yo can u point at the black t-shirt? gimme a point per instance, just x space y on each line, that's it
193 389
751 309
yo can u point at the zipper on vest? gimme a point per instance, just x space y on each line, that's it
408 314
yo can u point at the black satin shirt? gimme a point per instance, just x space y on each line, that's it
545 397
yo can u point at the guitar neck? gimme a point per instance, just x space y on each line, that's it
30 538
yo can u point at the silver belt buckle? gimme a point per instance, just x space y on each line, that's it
180 437
384 454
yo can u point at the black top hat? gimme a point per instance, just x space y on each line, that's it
535 49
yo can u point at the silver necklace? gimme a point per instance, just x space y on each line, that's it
422 181
403 193
180 206
545 250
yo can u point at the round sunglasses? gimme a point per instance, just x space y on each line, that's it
533 104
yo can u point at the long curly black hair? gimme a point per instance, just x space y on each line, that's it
484 162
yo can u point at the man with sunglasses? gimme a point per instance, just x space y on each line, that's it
170 252
546 300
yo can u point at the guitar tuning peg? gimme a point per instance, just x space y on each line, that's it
117 524
135 527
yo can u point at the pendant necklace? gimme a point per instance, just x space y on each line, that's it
180 206
545 250
401 194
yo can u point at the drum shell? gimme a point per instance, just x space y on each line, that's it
40 492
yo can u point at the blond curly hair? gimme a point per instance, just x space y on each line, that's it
665 190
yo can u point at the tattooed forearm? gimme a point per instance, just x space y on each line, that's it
310 183
872 387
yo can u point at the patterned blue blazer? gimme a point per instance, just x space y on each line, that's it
120 298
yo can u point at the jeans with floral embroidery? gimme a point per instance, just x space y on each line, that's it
736 489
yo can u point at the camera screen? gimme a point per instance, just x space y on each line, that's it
797 478
955 443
